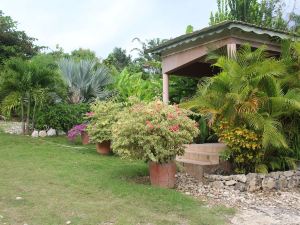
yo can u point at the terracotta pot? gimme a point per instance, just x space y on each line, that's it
163 175
103 148
85 138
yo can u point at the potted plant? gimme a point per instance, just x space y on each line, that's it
99 127
155 133
77 130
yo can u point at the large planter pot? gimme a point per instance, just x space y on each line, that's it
85 138
103 148
163 175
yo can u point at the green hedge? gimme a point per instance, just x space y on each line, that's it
61 116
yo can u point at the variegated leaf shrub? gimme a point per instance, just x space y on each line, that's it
153 132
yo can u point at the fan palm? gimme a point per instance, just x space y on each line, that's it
85 80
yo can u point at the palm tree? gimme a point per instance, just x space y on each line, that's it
85 80
25 83
249 92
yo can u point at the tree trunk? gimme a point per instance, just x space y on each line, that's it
28 114
22 115
33 115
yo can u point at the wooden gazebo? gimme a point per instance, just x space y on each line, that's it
186 55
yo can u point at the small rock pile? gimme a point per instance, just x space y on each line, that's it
262 207
43 133
254 182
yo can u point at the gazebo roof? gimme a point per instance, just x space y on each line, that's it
229 28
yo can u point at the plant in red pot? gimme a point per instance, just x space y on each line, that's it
99 127
156 133
79 130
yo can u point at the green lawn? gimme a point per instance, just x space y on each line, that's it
60 182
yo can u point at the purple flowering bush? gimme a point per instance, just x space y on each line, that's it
76 131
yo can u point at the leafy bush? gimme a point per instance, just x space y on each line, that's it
244 147
61 116
132 84
102 120
153 132
251 92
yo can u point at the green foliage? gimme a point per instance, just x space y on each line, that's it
85 80
153 132
102 119
249 92
189 29
133 85
244 147
147 62
25 84
61 116
118 59
14 43
266 13
182 88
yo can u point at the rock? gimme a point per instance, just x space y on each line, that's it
51 132
35 134
275 175
288 173
291 183
268 183
217 184
253 182
281 183
241 178
42 133
61 133
230 182
240 186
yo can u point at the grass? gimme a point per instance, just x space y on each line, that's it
59 182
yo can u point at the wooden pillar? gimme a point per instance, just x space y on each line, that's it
231 50
166 88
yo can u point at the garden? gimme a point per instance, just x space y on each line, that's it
86 140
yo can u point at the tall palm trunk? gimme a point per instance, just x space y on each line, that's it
28 114
22 115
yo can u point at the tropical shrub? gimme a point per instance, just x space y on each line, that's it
61 116
249 93
133 85
101 120
85 79
244 147
25 85
153 132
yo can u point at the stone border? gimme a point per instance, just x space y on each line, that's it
281 180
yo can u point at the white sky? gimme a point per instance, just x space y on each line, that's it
101 25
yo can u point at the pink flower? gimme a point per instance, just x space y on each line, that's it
170 116
174 128
149 124
90 114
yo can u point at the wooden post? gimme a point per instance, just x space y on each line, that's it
231 50
166 88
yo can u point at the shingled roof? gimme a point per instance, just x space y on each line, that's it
223 27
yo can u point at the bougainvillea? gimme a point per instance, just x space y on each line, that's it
153 132
76 131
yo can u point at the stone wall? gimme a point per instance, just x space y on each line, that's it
254 182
